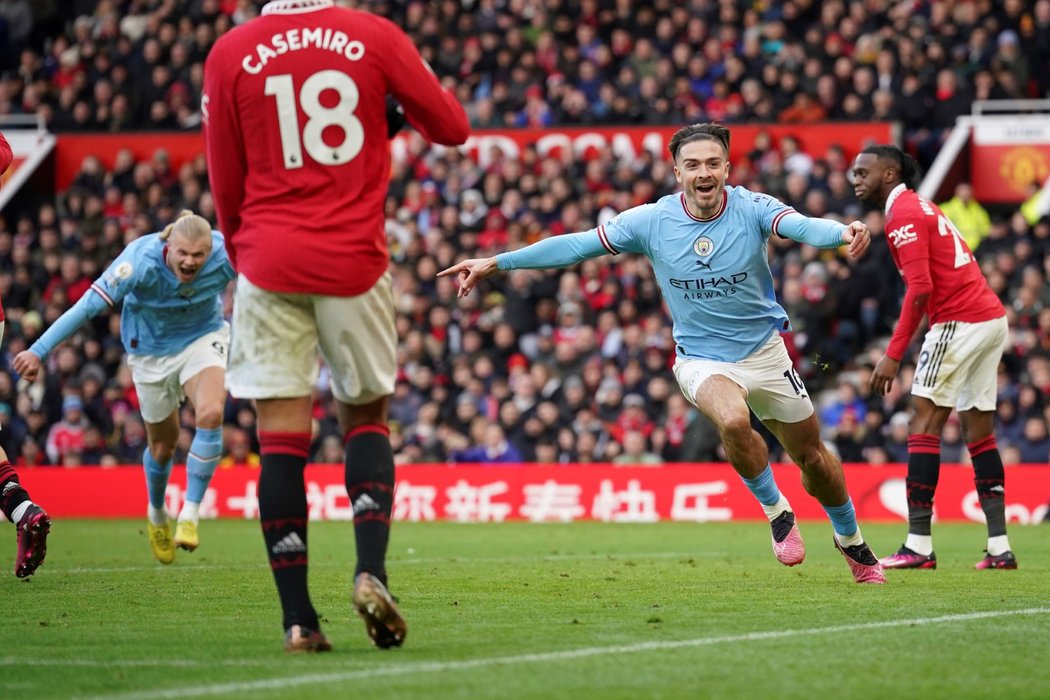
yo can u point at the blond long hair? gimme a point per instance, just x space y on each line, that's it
189 225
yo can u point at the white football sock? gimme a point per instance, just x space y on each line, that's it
920 544
157 516
850 540
773 511
190 511
21 509
998 545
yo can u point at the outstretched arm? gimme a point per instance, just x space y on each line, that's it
28 362
557 251
823 233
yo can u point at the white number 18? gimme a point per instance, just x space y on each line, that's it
340 115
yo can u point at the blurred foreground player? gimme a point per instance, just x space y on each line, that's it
958 365
31 522
295 129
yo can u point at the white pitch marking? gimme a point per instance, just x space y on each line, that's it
282 683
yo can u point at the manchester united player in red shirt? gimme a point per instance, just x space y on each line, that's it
30 519
296 136
958 364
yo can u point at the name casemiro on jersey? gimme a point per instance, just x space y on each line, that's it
298 39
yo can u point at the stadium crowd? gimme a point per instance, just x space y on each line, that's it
559 366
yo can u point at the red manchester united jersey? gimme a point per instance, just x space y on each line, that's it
935 260
296 135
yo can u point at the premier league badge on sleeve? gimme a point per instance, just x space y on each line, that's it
119 273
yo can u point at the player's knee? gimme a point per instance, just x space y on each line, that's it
813 457
162 451
736 428
209 416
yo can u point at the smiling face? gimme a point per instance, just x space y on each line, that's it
186 255
702 168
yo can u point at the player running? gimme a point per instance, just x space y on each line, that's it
173 330
958 364
707 246
32 524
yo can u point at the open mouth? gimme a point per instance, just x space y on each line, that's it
187 271
706 189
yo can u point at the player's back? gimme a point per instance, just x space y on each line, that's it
308 83
960 291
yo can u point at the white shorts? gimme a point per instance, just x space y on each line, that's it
958 366
774 389
159 378
276 337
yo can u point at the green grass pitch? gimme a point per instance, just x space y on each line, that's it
518 610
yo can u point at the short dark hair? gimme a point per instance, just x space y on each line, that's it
907 168
709 131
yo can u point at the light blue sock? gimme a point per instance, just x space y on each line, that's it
205 451
843 519
764 487
156 479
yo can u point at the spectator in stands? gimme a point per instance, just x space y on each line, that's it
68 434
635 451
1034 445
239 450
494 449
968 215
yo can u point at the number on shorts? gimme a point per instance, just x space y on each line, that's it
795 381
924 357
340 115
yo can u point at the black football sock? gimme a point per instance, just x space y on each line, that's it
990 480
283 515
370 486
924 466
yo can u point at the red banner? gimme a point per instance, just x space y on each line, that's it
486 145
1008 154
678 492
1003 174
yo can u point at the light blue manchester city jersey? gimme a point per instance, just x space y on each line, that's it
161 316
714 273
